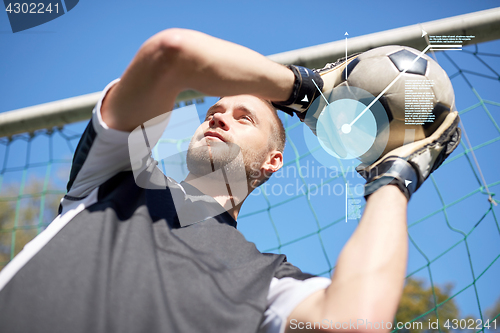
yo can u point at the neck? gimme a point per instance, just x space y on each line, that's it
230 196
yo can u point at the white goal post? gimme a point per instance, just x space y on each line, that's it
484 25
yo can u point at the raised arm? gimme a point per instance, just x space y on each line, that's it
368 280
175 60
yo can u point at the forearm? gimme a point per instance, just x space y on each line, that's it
221 68
370 271
175 60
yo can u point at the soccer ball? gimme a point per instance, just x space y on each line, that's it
412 106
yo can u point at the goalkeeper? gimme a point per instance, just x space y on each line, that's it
135 251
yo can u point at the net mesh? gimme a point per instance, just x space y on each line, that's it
452 223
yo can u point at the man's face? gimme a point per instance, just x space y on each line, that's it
234 124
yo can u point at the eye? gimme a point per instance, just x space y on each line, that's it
246 118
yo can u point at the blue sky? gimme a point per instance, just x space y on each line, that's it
83 50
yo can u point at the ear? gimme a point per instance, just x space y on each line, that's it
273 163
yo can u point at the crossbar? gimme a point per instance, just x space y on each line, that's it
484 25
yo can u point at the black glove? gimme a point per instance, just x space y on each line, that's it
305 90
308 84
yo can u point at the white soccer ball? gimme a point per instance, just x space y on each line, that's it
416 103
411 96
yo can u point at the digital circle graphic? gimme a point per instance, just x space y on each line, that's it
338 137
341 126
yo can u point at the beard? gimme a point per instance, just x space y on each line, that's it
206 159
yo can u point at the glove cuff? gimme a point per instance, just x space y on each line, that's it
304 91
393 170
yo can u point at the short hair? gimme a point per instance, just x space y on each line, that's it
277 138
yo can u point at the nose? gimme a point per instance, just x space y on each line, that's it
218 120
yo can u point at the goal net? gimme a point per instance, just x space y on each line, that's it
304 212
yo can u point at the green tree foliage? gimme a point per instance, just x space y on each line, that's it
23 216
418 299
492 312
490 320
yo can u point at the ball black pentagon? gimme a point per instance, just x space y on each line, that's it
383 101
349 68
439 112
403 58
